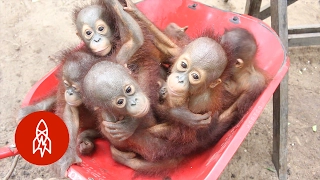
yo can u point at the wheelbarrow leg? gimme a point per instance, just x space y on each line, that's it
280 97
253 8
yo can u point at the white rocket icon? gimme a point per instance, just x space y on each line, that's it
42 141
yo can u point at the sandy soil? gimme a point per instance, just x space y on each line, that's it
34 31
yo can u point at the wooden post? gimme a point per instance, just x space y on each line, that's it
280 97
265 10
253 8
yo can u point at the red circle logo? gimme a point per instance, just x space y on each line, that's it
42 138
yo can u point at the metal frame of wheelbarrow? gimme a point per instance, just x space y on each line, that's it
271 57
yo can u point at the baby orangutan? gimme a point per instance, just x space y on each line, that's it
75 115
195 75
247 81
120 100
106 28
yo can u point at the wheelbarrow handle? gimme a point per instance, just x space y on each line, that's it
8 151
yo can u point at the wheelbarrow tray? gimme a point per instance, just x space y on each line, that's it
271 57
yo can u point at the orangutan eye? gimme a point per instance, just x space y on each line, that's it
88 33
129 89
184 65
66 84
195 76
75 88
120 102
101 28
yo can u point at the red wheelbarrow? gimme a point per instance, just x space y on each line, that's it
271 57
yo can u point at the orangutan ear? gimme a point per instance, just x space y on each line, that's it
77 33
239 63
215 83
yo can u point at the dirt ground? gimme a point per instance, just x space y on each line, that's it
34 31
